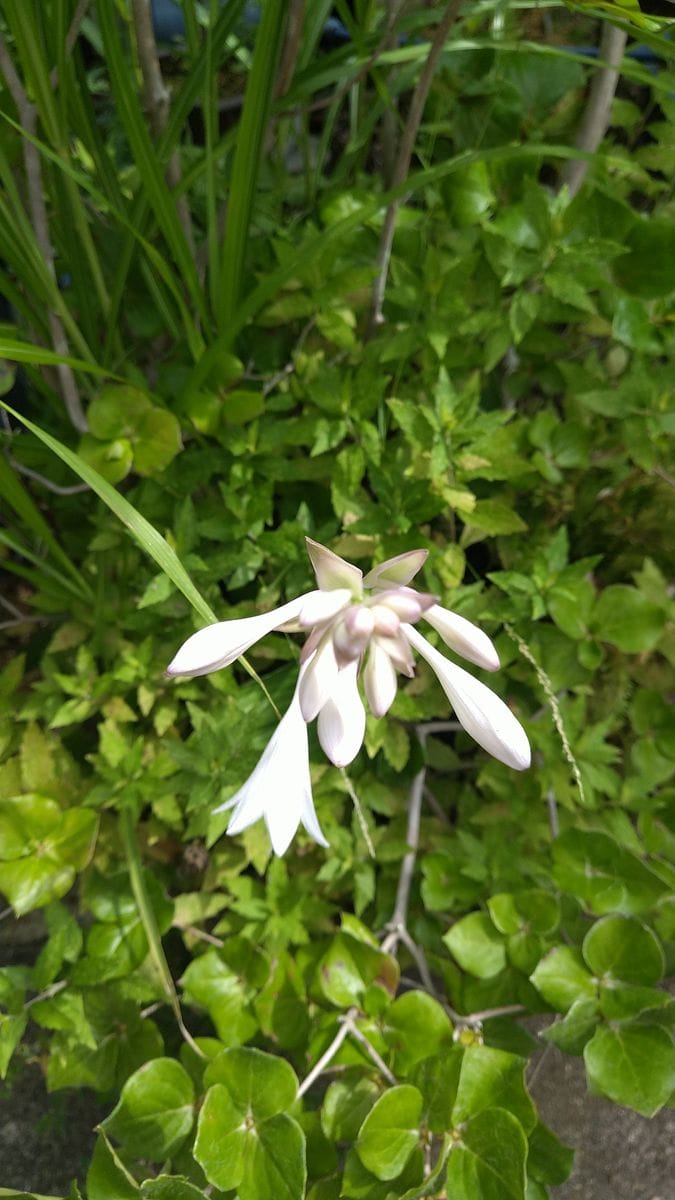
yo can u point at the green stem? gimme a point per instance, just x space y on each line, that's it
149 921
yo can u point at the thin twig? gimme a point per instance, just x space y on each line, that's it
52 990
328 1054
203 936
359 813
72 489
38 211
158 103
370 1050
71 38
553 820
400 914
402 165
597 114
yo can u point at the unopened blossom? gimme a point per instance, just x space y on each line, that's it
360 630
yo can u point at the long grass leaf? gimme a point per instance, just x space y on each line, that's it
145 156
149 539
247 157
19 498
145 534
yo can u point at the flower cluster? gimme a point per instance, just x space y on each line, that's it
356 626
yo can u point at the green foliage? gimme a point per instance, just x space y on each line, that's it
278 1027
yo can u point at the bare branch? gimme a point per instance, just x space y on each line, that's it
71 37
71 489
328 1054
402 164
397 925
596 117
38 212
158 103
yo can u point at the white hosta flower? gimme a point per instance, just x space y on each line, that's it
351 622
286 757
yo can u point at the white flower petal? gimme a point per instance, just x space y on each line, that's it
219 645
322 606
406 602
484 716
398 570
463 637
279 789
342 720
332 571
318 679
379 680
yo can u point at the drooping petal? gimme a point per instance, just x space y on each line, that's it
279 789
219 645
398 570
332 571
318 679
484 716
379 680
399 652
321 606
342 720
463 637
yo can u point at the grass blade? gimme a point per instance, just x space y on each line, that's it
247 158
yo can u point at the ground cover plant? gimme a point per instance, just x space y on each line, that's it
379 278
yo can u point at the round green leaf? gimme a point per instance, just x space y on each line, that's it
223 1140
24 821
648 267
112 460
266 1159
241 406
56 844
476 945
107 1176
258 1083
415 1027
627 619
625 949
157 442
155 1111
115 411
603 875
561 978
345 1106
491 1078
390 1132
633 1065
488 1163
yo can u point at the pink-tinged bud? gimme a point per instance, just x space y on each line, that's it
352 633
387 624
359 622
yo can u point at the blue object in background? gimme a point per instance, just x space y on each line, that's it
169 23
